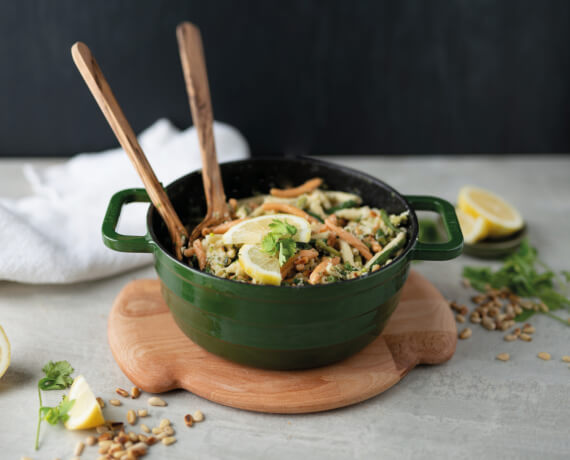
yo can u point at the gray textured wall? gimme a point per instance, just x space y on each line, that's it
302 76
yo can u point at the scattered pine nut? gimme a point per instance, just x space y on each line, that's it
188 420
135 392
162 435
91 440
510 338
131 417
460 318
151 440
164 423
142 412
528 329
78 449
566 359
464 334
145 428
142 438
488 323
122 392
156 430
114 402
503 356
525 337
156 401
138 450
101 402
169 440
199 416
544 356
168 430
102 429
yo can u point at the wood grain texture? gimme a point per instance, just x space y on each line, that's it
101 91
156 356
196 78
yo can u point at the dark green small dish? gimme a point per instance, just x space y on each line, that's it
495 248
280 327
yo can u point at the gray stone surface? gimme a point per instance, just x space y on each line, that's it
470 407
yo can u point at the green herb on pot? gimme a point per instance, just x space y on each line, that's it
346 205
320 244
521 274
279 240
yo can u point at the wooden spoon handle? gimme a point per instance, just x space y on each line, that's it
101 91
196 78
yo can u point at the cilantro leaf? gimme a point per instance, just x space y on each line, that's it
53 415
278 241
58 376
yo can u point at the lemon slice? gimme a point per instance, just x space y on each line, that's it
252 231
4 352
501 218
262 267
86 412
473 228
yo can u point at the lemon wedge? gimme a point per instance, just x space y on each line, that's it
473 228
501 218
4 352
252 231
86 412
262 267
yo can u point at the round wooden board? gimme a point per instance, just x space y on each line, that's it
157 357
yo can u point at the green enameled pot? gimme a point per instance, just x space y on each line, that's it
274 327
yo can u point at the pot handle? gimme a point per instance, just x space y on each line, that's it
438 251
116 241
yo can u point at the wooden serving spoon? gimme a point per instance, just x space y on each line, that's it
196 78
101 91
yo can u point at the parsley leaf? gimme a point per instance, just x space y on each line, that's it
278 241
58 377
520 274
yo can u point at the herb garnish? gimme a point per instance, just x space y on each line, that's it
279 240
58 377
519 273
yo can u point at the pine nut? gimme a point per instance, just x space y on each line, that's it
145 428
101 402
199 416
142 438
151 440
169 440
525 337
544 356
475 318
115 402
503 356
122 438
131 417
489 324
168 430
510 338
464 334
162 435
90 441
138 449
135 392
164 423
156 430
142 412
528 329
188 420
128 444
102 429
122 392
460 318
105 436
133 436
156 401
566 359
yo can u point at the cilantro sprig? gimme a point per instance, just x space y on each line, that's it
279 241
57 377
521 274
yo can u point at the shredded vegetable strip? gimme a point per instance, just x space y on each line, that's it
287 209
307 187
222 228
349 238
302 257
320 269
200 254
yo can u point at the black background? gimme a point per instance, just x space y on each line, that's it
298 76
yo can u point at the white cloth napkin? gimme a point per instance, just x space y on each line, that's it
54 236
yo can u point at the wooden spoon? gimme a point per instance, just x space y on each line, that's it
196 78
102 93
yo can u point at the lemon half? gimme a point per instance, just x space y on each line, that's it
4 352
252 231
86 412
501 218
262 267
473 228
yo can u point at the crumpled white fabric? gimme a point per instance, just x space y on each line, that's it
54 235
